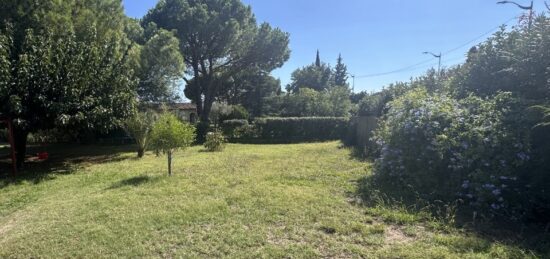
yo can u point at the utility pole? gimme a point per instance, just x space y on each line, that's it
530 8
435 56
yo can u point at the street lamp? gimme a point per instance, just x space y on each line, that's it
435 56
530 8
353 85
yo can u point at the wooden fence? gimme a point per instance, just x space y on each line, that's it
363 130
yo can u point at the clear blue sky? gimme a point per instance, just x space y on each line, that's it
375 36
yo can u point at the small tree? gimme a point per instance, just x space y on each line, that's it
139 127
170 134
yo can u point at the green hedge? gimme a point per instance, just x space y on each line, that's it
231 128
303 129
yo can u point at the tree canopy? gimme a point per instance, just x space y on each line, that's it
157 61
64 64
219 39
318 78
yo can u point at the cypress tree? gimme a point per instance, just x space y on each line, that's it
318 60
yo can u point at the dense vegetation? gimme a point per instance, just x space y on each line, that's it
470 142
477 135
63 65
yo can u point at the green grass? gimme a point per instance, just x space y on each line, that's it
250 201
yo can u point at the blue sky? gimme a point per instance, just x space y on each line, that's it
376 36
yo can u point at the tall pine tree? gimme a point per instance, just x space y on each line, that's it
340 73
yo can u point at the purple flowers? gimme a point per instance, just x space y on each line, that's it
523 156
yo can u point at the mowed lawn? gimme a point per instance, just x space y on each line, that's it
250 201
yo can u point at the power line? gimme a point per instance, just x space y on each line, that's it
405 69
415 66
479 37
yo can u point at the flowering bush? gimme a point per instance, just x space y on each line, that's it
447 149
215 141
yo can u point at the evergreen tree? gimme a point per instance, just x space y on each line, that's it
219 39
318 60
340 73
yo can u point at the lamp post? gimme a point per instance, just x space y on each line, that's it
530 8
353 84
438 57
353 80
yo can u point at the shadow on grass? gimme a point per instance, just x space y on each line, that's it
394 204
63 159
133 182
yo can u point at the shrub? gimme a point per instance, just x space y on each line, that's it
222 112
238 112
230 127
139 127
302 129
215 141
170 134
445 149
372 105
334 102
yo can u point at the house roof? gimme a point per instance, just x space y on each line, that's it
184 106
173 106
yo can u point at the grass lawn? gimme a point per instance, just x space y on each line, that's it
249 201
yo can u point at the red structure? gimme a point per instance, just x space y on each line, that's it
8 122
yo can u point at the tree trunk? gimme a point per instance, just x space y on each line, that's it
196 82
20 139
169 163
205 116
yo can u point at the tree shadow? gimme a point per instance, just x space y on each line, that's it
63 159
133 182
527 236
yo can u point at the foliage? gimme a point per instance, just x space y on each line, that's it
301 129
376 103
66 67
215 141
318 78
219 39
447 149
511 60
160 67
222 112
238 112
139 127
249 88
170 134
334 102
340 73
233 128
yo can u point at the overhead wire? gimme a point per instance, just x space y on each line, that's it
416 66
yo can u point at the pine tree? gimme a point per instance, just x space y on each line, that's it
340 73
318 60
